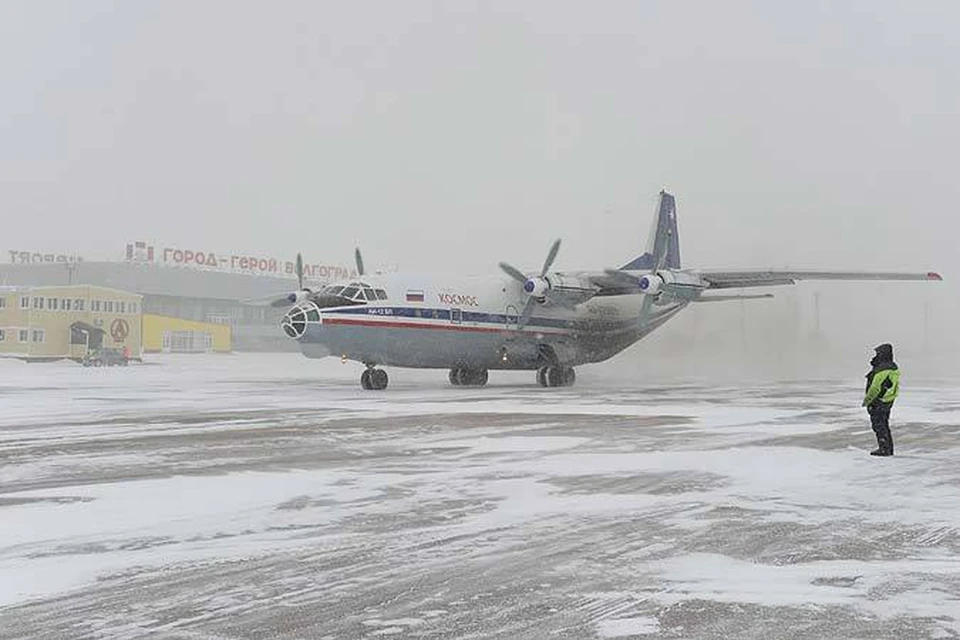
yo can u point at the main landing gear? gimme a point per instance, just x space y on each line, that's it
373 379
461 377
556 376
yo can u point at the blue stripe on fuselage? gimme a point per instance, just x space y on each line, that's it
498 319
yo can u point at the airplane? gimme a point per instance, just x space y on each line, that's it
544 321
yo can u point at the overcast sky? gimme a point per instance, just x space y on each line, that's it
453 135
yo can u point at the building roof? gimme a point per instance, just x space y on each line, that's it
45 287
147 279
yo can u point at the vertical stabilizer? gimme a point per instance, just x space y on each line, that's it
663 233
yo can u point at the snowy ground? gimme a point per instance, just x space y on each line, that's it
270 497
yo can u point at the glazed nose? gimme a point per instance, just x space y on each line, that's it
294 322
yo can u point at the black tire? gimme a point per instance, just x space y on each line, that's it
379 379
463 377
569 377
473 377
554 376
542 376
455 377
365 381
482 377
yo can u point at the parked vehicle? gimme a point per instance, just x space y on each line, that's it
105 357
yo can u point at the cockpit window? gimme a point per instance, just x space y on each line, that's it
357 292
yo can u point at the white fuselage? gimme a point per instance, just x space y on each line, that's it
472 322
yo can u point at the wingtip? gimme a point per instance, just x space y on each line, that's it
933 275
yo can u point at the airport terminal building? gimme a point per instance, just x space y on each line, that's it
230 292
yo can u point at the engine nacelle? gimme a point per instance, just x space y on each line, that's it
298 296
536 287
679 285
651 284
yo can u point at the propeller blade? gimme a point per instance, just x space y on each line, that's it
550 257
527 312
513 272
645 309
359 259
299 271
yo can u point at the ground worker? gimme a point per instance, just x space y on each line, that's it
883 385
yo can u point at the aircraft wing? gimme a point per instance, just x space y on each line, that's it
769 278
614 282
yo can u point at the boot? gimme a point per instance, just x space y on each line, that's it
886 444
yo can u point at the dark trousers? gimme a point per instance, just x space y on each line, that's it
880 422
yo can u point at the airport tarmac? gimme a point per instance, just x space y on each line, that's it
268 496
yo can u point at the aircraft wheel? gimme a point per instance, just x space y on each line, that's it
542 376
378 379
555 376
570 376
365 381
472 377
455 377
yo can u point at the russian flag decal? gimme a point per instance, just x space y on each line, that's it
414 296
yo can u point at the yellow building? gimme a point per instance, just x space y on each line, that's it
46 323
175 335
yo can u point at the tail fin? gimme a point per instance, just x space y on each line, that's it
664 231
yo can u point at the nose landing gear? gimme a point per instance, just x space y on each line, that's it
556 376
373 379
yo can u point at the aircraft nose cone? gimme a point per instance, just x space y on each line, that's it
294 322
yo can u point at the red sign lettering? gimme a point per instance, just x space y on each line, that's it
261 265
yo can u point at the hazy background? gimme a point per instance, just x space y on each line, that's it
452 135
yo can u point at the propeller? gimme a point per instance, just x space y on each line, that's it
551 256
659 260
301 293
535 287
359 260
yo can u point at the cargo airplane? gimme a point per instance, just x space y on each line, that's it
545 321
